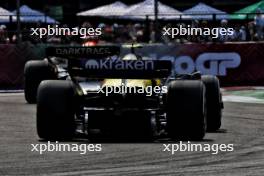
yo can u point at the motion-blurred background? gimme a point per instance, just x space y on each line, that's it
140 22
131 21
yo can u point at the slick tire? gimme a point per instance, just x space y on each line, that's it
186 110
56 102
214 102
35 72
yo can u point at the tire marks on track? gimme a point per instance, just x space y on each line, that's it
243 126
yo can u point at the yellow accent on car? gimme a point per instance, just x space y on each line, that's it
131 82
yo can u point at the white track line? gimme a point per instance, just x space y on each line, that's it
243 99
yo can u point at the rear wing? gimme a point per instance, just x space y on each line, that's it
81 52
96 62
126 69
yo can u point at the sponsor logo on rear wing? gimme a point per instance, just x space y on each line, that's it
119 64
88 52
130 69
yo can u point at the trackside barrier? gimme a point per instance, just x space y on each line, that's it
12 61
236 64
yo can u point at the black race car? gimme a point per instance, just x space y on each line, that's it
75 91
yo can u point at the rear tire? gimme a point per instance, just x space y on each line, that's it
186 110
56 110
35 72
214 102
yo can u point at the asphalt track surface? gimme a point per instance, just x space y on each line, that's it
243 126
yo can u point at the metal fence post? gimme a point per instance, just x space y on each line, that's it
18 22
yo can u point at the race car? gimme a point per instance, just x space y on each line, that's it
75 89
